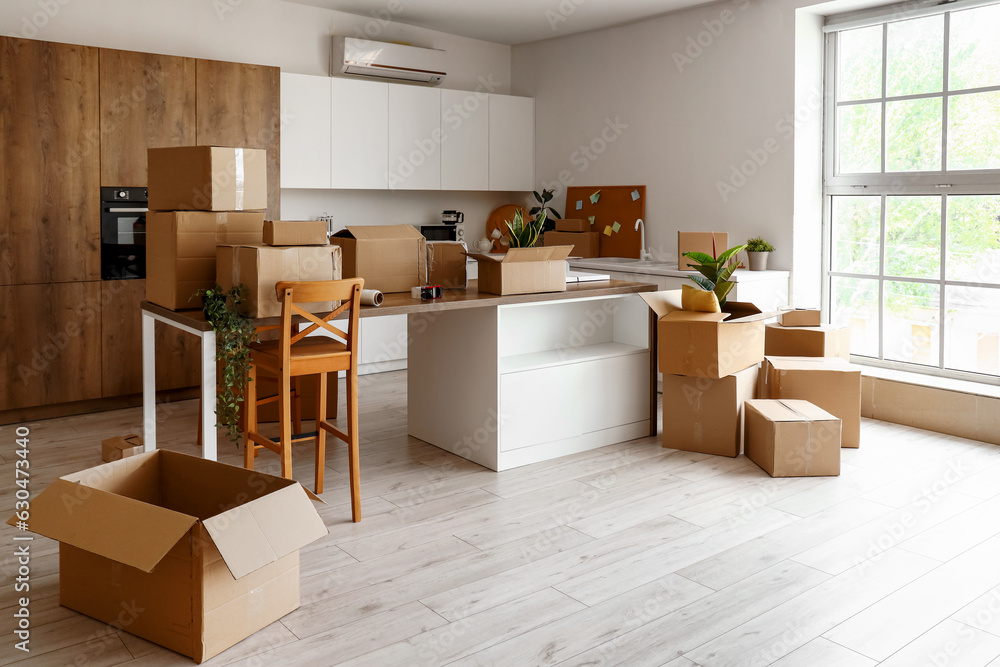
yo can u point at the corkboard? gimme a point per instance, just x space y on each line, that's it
615 204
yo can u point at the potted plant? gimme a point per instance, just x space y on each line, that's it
757 252
524 234
551 214
716 271
234 331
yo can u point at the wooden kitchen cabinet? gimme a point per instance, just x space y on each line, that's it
52 346
360 134
465 150
305 135
239 105
147 101
50 227
512 143
414 138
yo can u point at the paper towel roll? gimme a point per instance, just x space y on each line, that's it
371 297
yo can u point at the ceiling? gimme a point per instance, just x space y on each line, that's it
509 21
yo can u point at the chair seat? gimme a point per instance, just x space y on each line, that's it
267 354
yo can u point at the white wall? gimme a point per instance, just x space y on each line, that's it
295 38
704 103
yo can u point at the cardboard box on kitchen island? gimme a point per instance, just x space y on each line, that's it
190 554
295 232
523 270
391 258
207 178
446 264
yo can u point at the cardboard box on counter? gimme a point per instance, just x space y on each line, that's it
523 270
261 267
702 415
699 242
800 317
295 232
205 553
446 264
710 345
585 244
825 340
180 251
207 178
120 447
792 438
391 258
572 225
829 383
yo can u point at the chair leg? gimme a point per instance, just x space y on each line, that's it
250 425
352 445
285 423
320 431
296 405
334 379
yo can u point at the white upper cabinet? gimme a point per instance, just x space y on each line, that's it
360 134
414 138
465 149
512 143
305 132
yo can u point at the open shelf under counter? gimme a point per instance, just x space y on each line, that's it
567 355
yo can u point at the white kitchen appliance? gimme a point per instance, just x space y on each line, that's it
364 57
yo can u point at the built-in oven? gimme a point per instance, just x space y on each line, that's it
123 233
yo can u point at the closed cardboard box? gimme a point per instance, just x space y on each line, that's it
120 447
825 340
295 232
446 264
800 317
180 251
585 244
710 345
391 258
699 242
523 270
261 267
702 415
829 383
198 554
207 178
792 438
571 225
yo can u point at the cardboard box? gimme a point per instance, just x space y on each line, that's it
523 270
261 267
207 178
699 242
120 447
391 258
198 554
446 264
585 244
829 383
800 317
822 341
572 225
295 232
710 345
702 415
791 438
180 251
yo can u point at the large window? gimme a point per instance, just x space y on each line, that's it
912 185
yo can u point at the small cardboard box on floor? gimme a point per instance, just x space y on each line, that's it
120 447
207 178
295 232
446 264
792 438
585 244
825 340
523 270
261 267
391 258
703 415
199 554
828 383
709 345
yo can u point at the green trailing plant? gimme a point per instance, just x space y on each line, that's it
551 214
758 244
525 233
234 331
716 271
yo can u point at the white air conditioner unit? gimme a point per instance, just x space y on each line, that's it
363 57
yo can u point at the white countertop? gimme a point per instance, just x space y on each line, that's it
657 268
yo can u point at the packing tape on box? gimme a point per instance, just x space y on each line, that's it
239 179
371 297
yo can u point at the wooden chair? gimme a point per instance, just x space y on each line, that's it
296 354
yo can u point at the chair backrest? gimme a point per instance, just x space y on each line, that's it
292 293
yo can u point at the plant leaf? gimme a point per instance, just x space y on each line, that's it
538 197
700 257
703 283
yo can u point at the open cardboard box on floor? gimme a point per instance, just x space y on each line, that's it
523 270
702 415
710 345
792 438
391 258
826 340
200 554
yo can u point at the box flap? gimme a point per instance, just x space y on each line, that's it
561 251
536 254
693 316
745 312
125 530
262 531
806 410
790 410
491 257
662 302
384 232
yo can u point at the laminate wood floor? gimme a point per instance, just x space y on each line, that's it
627 555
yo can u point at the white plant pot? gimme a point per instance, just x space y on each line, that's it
758 260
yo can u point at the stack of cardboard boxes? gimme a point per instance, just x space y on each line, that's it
576 233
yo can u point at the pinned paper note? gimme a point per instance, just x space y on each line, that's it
591 218
579 204
594 197
616 227
635 195
607 230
